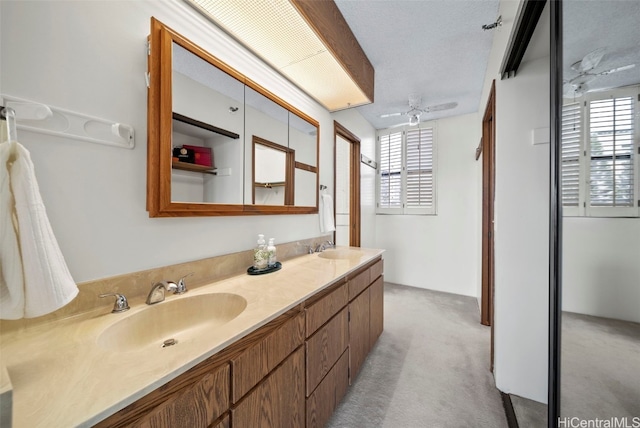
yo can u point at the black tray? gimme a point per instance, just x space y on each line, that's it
254 271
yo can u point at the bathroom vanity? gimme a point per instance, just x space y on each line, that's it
286 359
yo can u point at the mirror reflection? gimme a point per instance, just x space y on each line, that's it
600 354
272 173
208 125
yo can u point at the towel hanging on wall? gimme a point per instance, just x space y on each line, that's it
327 224
34 278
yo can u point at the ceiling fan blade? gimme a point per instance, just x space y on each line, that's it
398 125
616 70
591 60
440 107
391 115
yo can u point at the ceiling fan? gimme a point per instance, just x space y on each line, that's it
415 111
586 69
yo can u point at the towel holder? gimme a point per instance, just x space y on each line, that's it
50 120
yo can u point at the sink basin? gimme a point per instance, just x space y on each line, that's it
172 319
340 254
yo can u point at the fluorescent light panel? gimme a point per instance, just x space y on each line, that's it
275 31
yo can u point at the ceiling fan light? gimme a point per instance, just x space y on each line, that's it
414 119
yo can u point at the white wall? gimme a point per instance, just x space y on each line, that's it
438 252
357 125
601 267
521 215
90 57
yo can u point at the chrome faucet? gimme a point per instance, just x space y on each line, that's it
321 247
120 305
156 295
181 286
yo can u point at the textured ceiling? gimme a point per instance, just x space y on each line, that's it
611 25
434 49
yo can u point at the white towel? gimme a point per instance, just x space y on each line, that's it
11 280
327 223
48 284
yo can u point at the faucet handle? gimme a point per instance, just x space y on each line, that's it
120 304
181 286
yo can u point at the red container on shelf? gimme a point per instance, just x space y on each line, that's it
203 155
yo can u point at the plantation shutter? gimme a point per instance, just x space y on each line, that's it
419 167
611 131
571 139
390 188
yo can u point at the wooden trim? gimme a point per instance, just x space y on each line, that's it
354 181
306 167
524 27
488 197
325 19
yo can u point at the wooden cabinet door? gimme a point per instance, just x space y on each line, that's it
278 401
376 310
327 396
359 339
195 406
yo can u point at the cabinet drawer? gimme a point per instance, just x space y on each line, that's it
253 364
376 270
276 402
321 311
327 396
358 283
325 347
195 406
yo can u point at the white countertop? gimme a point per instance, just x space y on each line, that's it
62 377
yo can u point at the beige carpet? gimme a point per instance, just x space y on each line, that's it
430 367
600 368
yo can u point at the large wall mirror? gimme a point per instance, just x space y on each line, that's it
219 144
599 190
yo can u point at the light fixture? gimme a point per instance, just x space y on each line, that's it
414 119
334 71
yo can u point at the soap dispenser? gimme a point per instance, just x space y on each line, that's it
260 254
271 250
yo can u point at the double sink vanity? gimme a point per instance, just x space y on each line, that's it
248 351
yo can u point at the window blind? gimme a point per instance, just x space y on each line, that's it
571 146
390 165
419 193
611 131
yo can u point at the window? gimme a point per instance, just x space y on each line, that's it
600 172
406 173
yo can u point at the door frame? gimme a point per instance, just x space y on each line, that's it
354 181
488 199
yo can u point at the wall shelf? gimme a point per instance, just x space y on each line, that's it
184 119
192 167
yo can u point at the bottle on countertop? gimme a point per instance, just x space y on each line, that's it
260 254
271 250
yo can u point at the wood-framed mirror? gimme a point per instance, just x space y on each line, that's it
203 119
